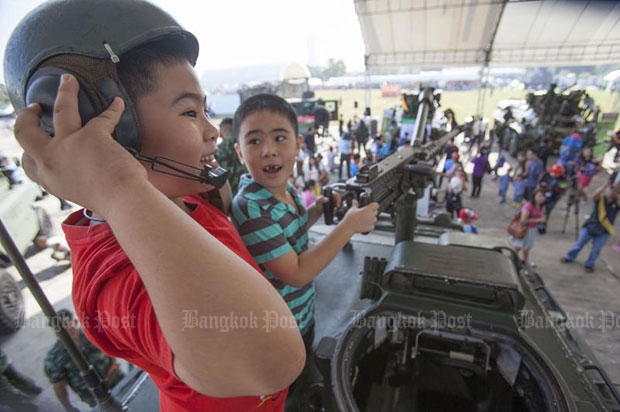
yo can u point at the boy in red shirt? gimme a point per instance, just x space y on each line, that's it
153 259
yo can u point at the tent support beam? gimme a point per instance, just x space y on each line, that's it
484 71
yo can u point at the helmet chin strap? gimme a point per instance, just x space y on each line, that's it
209 175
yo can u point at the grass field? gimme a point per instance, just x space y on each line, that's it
463 103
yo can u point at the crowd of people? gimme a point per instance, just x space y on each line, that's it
536 189
536 184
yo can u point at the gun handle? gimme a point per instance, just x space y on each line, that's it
364 199
328 207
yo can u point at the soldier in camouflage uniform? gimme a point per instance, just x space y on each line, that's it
62 371
15 388
227 155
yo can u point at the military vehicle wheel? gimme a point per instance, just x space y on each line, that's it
11 305
46 228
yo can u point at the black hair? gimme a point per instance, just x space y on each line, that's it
227 121
136 68
533 195
264 101
309 183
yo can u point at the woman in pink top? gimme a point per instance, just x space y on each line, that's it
531 215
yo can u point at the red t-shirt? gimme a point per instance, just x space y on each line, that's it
116 312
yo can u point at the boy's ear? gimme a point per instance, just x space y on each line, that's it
239 154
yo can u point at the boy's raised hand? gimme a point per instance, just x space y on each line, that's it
361 219
81 164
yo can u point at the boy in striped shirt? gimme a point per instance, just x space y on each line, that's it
270 215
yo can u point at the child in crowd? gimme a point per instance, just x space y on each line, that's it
313 170
270 215
307 194
356 164
456 186
452 155
149 249
331 159
587 167
467 216
376 146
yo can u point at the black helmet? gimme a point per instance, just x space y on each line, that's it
86 28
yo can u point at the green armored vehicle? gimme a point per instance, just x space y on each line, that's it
476 331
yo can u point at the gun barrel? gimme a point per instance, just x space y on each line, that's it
426 100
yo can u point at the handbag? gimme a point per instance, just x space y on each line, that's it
594 228
515 228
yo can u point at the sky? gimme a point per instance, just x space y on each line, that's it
239 33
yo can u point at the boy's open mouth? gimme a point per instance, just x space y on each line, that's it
207 159
272 169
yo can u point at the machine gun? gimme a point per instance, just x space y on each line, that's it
395 182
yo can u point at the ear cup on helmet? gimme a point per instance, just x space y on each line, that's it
127 131
42 88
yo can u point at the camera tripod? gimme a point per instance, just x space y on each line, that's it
572 202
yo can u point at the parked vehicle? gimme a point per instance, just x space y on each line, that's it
509 125
520 124
312 111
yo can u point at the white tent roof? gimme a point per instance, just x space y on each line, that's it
439 33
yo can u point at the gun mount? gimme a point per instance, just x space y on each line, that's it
397 181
